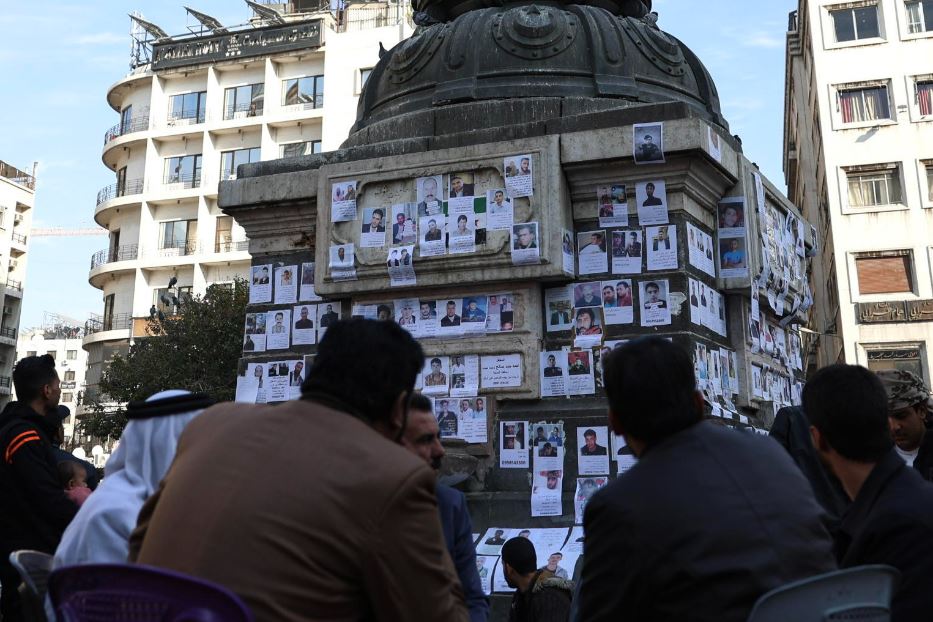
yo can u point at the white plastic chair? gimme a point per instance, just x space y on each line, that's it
861 594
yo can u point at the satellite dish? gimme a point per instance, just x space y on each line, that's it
97 451
79 453
150 28
267 13
206 20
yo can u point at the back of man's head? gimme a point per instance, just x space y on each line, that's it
420 402
651 389
366 365
519 553
32 373
849 406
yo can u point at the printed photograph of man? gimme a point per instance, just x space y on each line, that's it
525 236
591 447
461 185
278 328
393 259
591 242
462 229
304 321
732 253
648 140
466 410
345 191
429 201
604 201
286 277
553 483
450 318
498 203
248 344
433 234
560 313
546 450
661 240
731 215
653 296
385 312
497 538
436 378
408 316
479 408
624 294
376 222
618 194
650 200
609 297
446 419
329 316
260 275
552 370
586 295
296 377
473 310
633 247
588 323
523 168
340 258
578 363
428 310
307 273
553 565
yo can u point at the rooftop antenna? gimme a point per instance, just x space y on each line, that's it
266 13
205 23
143 34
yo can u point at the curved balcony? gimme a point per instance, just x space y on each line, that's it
107 328
127 252
137 123
119 189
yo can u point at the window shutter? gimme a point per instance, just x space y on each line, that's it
883 275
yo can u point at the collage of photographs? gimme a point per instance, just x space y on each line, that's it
450 215
556 548
445 318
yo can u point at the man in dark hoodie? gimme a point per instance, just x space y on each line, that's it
35 508
540 595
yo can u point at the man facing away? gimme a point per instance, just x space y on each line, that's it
691 532
890 520
540 595
908 408
423 438
349 531
35 509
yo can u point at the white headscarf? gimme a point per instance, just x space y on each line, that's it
101 530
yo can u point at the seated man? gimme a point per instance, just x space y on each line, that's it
908 409
348 531
890 520
707 521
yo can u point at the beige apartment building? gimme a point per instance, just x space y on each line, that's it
192 109
858 158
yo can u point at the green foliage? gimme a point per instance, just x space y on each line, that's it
197 349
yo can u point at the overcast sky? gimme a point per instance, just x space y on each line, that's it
59 58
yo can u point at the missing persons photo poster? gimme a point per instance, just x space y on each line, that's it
525 244
373 228
260 285
651 202
653 298
592 253
559 309
519 175
662 247
342 259
593 450
553 374
306 291
626 251
513 454
286 285
612 205
343 201
648 143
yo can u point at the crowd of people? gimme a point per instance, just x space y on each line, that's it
329 507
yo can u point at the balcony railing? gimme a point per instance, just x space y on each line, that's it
9 333
120 189
239 111
20 239
97 323
185 181
231 247
185 116
17 176
127 252
175 249
137 123
17 285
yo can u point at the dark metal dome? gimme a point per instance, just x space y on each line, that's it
543 49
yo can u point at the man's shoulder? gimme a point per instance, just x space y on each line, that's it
450 497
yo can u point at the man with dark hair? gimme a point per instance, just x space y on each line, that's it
650 199
908 410
349 530
690 533
590 446
35 508
423 438
890 520
540 595
329 317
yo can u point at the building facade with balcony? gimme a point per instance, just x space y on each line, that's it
201 105
17 198
63 343
858 158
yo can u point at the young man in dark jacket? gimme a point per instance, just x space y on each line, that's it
36 510
540 596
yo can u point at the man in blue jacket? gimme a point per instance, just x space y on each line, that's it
422 437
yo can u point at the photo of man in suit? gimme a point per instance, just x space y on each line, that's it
633 248
376 224
304 321
430 204
451 318
458 188
552 370
329 316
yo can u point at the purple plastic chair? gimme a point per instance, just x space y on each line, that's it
136 593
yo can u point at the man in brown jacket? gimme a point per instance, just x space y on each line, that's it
309 510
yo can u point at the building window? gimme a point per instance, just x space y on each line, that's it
364 76
223 235
856 23
870 186
52 353
30 353
244 101
923 90
165 300
67 396
126 119
185 170
307 92
906 358
69 376
190 107
230 160
884 272
107 320
71 355
919 16
928 167
179 234
293 150
867 103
